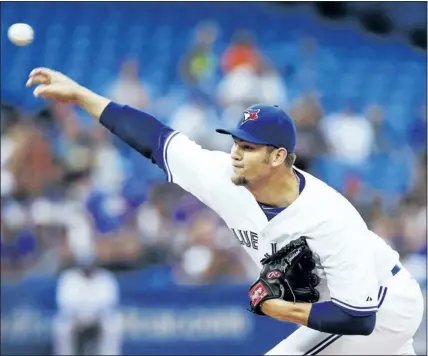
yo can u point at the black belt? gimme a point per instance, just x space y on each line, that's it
395 270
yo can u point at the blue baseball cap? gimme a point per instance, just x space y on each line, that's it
265 125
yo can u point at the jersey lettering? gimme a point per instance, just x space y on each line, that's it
247 238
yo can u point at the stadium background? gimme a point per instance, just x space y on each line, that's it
352 75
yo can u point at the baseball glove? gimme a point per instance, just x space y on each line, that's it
286 274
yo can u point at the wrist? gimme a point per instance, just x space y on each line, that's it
91 102
287 311
82 95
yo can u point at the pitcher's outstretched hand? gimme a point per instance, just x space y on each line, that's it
53 85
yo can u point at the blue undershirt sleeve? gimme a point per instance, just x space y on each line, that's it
329 318
141 131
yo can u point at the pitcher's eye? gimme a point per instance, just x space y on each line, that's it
248 148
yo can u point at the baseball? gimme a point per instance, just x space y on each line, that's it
20 34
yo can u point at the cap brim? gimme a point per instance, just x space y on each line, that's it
242 135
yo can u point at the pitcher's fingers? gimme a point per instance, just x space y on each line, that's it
38 79
39 90
41 70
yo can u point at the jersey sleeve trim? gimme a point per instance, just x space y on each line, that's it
165 156
361 311
354 310
381 295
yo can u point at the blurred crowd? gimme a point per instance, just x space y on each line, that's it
69 186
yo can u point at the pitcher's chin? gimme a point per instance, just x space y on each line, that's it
239 180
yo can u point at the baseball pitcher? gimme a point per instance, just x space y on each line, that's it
321 267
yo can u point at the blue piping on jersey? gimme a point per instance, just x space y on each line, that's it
322 345
362 310
165 145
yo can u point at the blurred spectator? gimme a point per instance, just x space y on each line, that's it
159 233
387 227
418 194
68 136
19 244
128 89
195 118
413 224
272 87
246 76
31 162
19 251
244 86
249 78
375 115
155 217
242 51
198 65
87 321
417 135
9 116
203 259
238 89
307 113
108 211
108 169
7 148
50 224
350 136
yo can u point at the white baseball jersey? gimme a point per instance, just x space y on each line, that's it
352 261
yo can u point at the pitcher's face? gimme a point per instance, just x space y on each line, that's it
250 162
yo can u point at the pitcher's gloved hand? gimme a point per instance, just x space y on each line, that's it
288 275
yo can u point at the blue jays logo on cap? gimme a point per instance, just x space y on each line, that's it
250 115
275 127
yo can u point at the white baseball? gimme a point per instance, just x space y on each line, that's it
20 34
